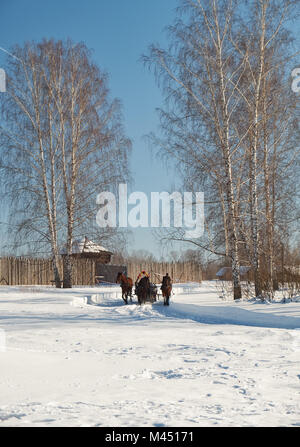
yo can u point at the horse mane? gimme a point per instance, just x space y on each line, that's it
144 282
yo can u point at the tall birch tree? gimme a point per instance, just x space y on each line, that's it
62 143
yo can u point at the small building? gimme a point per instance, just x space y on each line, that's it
97 257
293 269
86 249
225 273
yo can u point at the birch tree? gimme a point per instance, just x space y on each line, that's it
62 143
266 42
221 121
201 76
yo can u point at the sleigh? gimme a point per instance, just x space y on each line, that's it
146 294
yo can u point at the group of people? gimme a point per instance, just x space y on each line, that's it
166 286
144 289
166 281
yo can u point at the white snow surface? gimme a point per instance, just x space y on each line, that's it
80 357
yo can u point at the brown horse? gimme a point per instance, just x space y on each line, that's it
126 286
166 289
142 290
166 293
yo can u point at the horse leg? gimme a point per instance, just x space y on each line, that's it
124 296
164 297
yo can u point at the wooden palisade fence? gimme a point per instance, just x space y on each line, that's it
179 271
29 271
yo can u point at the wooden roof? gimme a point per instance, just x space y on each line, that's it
86 247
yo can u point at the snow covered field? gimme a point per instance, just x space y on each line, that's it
82 358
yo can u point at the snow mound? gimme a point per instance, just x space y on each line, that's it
231 315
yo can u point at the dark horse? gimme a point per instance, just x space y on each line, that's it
166 289
142 290
126 286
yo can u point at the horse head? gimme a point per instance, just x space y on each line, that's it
119 277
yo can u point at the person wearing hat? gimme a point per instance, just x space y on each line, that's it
166 281
143 274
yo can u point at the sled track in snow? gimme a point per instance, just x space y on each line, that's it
230 314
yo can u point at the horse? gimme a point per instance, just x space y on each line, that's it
142 290
166 289
126 286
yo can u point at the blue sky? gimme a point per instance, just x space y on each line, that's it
119 32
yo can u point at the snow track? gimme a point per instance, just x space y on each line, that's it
241 313
83 358
231 315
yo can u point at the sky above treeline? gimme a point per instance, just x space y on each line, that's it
118 32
